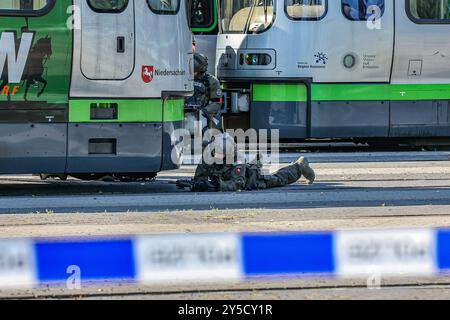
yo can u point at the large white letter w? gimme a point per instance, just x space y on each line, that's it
16 65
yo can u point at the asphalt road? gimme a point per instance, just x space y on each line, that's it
353 191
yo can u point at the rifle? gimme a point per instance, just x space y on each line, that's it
198 186
183 184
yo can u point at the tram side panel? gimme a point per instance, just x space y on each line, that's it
348 67
124 113
421 73
312 51
35 62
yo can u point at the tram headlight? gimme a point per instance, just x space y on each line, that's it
255 59
252 59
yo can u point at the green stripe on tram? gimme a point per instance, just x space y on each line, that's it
371 92
139 110
173 110
279 92
351 92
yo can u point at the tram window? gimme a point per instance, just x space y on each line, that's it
425 11
113 6
247 16
202 13
25 7
306 9
164 6
362 10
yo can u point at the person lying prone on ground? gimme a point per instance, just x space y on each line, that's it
223 175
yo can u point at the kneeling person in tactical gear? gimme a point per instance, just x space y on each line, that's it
221 176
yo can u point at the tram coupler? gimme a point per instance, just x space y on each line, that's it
236 100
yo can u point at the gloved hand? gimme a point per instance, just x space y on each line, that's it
183 184
215 181
204 186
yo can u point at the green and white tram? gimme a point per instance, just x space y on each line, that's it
92 87
337 68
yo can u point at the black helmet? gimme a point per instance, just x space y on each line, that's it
200 63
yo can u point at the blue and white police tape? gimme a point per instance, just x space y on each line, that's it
225 257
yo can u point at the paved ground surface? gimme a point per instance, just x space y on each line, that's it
353 191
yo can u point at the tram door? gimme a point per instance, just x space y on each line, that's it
107 39
361 35
360 40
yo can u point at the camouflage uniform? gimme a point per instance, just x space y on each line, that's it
248 176
237 177
209 94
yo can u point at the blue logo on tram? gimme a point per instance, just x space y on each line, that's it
321 57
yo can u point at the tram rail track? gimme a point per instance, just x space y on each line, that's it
380 194
321 284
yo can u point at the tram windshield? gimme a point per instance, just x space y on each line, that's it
246 16
306 9
438 10
202 15
23 5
